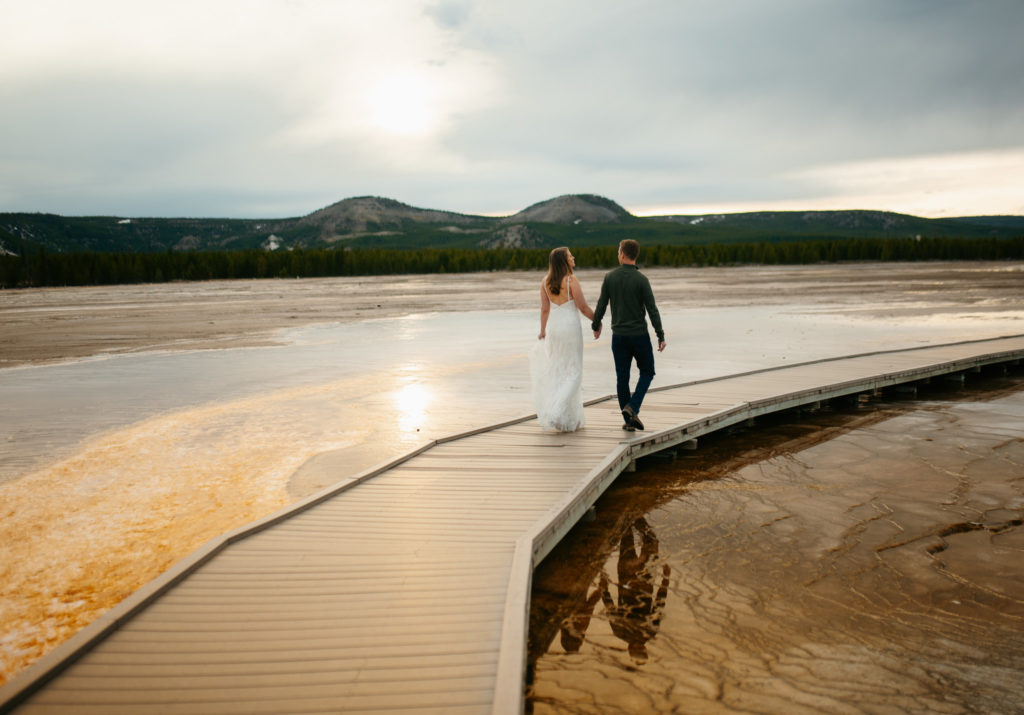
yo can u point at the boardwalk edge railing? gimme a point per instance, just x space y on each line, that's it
530 548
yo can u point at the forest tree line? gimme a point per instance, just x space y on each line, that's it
76 269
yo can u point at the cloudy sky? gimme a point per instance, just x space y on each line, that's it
275 108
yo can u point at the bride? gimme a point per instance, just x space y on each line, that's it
556 361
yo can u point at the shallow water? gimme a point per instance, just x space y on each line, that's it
113 467
857 560
49 408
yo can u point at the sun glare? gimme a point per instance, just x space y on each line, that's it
402 104
411 402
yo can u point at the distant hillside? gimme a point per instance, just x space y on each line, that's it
572 209
374 215
577 220
859 224
1013 222
804 220
19 232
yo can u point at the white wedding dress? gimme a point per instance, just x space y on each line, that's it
556 366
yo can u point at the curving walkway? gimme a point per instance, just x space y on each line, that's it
406 588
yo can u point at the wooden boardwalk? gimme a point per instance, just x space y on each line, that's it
406 589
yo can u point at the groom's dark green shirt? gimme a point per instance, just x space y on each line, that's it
631 296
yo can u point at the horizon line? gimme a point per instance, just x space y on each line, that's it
642 211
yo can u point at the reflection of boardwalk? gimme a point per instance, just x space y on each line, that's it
408 587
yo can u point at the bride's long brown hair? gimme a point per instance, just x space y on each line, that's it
558 268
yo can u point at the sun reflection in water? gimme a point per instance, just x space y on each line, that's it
411 403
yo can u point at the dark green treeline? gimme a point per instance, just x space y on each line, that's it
67 269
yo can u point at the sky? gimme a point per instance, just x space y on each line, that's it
277 108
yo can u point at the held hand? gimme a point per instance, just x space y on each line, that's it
597 334
661 345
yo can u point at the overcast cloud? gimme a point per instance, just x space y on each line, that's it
273 108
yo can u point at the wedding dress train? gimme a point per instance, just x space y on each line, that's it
556 366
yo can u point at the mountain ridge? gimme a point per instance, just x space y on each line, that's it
569 219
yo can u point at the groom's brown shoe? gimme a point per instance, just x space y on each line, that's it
631 419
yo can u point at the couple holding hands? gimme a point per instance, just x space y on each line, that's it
557 359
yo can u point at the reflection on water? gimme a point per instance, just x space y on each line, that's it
117 468
858 560
642 587
114 467
411 402
48 410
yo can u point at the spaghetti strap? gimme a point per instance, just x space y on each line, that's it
568 293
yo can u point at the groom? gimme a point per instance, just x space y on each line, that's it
630 294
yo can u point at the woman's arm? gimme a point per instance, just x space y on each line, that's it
581 302
545 308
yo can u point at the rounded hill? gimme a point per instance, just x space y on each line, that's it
373 213
572 209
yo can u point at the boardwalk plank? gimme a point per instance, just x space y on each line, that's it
112 664
344 698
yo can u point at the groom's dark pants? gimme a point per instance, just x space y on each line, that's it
626 349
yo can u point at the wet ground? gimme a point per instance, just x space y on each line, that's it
137 422
858 559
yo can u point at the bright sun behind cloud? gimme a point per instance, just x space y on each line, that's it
403 104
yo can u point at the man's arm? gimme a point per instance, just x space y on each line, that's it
655 316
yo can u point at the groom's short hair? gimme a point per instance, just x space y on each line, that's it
630 248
